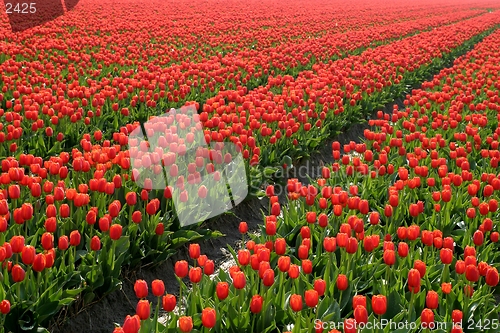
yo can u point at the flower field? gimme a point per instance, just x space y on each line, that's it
399 234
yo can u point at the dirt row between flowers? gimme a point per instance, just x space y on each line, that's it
100 315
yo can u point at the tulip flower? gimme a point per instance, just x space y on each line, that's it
143 309
169 302
431 300
181 268
158 288
195 274
379 304
243 227
427 318
360 314
239 280
141 289
131 324
296 302
311 297
492 278
342 282
4 307
194 251
256 303
222 290
185 324
208 317
320 286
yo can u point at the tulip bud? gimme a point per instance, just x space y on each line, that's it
185 324
379 304
256 303
169 302
143 309
208 317
141 289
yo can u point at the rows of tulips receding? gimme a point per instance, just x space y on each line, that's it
402 227
90 85
71 221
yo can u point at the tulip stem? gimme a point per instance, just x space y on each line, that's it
296 327
348 266
254 317
194 295
281 290
410 307
240 304
156 314
113 249
39 283
466 301
387 277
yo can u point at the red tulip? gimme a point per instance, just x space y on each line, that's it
5 307
320 286
28 254
414 279
222 290
239 280
379 304
143 309
74 238
158 288
256 303
169 302
311 296
284 263
446 256
18 273
185 324
427 318
358 300
431 300
17 244
457 316
492 278
115 231
472 273
141 289
307 266
478 238
446 288
209 267
131 324
268 277
195 274
421 267
389 257
329 243
342 282
39 263
208 317
181 268
280 246
296 302
243 227
361 314
352 245
95 243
